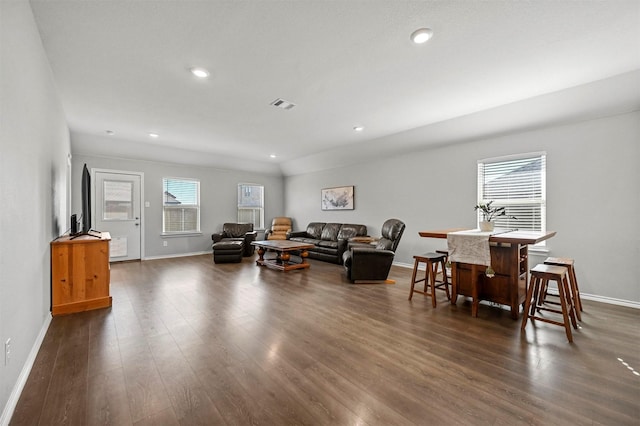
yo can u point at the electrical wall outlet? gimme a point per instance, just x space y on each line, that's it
164 244
7 352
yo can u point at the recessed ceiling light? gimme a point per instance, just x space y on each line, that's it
110 132
358 129
421 35
199 72
272 155
154 135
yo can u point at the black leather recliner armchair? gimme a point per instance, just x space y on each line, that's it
369 264
237 232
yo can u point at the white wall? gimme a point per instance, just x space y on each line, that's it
592 174
593 193
33 168
218 197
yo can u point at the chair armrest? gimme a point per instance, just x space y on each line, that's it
346 259
249 237
343 243
364 239
217 237
365 252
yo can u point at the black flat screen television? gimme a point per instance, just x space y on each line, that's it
86 200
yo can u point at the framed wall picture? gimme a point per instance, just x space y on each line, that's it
338 198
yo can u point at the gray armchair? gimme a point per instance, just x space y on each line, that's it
369 264
237 232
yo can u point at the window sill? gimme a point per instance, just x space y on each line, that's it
181 234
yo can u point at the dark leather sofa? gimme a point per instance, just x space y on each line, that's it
330 240
237 232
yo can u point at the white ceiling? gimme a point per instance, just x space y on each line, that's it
123 66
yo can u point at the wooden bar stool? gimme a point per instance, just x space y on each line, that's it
573 281
432 261
540 276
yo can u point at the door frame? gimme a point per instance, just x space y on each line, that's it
94 182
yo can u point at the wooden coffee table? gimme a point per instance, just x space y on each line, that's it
282 249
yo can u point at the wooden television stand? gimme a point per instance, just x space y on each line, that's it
80 274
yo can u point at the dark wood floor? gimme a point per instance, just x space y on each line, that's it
189 342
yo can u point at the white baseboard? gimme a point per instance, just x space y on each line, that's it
586 296
24 375
610 300
169 256
406 265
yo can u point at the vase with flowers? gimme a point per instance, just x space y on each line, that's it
489 213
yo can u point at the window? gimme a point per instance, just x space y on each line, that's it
251 204
519 184
118 200
180 205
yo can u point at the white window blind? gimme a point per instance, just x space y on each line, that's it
180 205
519 184
251 204
118 200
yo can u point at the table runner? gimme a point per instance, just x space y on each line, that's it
470 247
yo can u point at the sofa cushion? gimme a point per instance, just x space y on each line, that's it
305 240
328 244
349 230
229 245
325 250
234 239
330 232
314 229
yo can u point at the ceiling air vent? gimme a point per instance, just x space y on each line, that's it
281 103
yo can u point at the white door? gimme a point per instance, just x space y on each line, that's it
117 211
